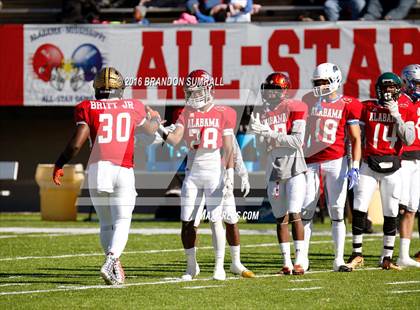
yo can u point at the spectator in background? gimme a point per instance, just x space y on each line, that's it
80 11
385 9
333 8
239 11
139 13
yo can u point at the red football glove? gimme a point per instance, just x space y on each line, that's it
57 174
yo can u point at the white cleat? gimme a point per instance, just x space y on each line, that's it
407 262
107 270
219 274
305 264
191 273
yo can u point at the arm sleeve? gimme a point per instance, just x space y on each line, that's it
405 129
81 114
240 168
295 138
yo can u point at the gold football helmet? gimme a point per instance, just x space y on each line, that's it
108 83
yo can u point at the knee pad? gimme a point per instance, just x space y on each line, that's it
390 226
337 214
359 222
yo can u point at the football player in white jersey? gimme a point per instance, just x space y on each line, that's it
283 129
410 168
206 129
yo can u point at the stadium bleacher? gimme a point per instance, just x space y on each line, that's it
49 11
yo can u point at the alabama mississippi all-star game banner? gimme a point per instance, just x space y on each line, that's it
54 65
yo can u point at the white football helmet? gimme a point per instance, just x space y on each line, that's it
198 89
411 79
331 73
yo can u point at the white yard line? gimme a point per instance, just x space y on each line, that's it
405 292
14 284
304 288
303 280
144 231
402 282
151 251
171 281
200 287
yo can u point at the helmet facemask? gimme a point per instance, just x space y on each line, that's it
272 95
388 91
325 87
198 97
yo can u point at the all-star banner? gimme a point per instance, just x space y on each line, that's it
58 62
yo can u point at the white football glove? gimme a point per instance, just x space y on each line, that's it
245 186
391 105
260 128
170 128
228 183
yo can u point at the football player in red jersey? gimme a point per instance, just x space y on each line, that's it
385 132
206 129
331 117
109 122
283 128
410 168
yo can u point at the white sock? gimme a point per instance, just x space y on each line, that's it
235 253
357 239
339 237
389 244
405 248
307 227
191 255
219 240
119 239
105 235
285 251
299 244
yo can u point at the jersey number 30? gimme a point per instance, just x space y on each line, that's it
118 127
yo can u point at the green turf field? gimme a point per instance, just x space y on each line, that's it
61 270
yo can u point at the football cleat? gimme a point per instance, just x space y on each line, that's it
417 256
219 274
356 260
340 266
408 262
191 273
388 264
119 271
286 270
242 271
107 270
298 270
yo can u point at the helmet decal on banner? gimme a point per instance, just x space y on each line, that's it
86 61
47 63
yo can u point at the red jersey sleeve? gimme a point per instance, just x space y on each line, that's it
140 113
229 123
298 111
181 119
81 113
354 111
